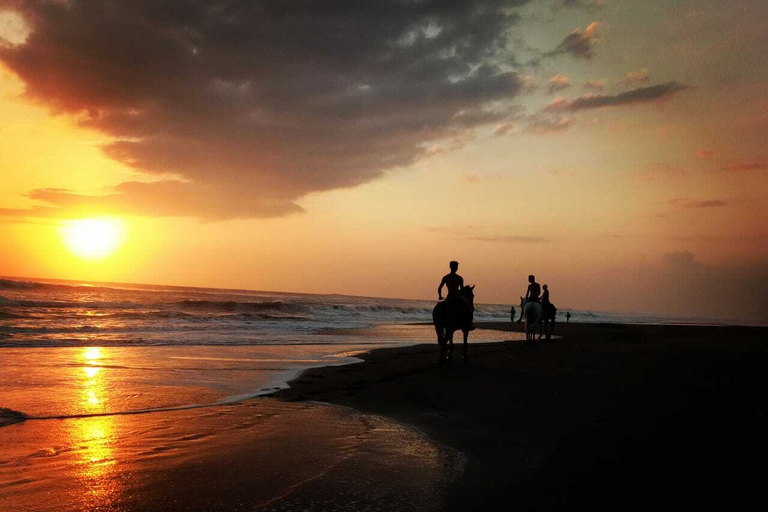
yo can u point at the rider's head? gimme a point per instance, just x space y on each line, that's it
454 265
545 287
531 278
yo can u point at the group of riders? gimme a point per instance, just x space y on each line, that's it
456 301
456 312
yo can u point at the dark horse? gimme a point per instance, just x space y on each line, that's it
548 320
450 316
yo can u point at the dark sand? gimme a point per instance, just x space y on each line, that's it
608 417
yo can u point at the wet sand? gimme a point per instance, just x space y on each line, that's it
123 429
608 417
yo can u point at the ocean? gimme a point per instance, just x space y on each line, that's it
45 313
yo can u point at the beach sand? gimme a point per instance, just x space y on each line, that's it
608 416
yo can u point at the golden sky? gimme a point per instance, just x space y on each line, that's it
615 149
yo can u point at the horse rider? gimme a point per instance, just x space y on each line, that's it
534 290
545 297
454 282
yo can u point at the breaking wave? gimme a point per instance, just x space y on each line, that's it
236 306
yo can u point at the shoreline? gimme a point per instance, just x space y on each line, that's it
638 408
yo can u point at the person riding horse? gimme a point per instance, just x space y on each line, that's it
549 308
455 313
454 282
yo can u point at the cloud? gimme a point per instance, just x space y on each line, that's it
680 260
509 239
252 105
589 5
579 43
635 96
545 124
635 77
684 202
472 179
474 233
504 129
660 171
558 83
745 165
594 85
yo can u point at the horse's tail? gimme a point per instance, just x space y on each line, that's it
438 319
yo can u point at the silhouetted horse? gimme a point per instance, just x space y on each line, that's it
533 314
548 319
450 316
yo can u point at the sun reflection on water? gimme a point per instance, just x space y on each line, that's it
94 437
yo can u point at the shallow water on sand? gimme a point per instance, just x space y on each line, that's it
261 454
180 428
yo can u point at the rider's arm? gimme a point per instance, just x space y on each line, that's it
440 289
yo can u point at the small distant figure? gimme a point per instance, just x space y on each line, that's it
512 314
567 316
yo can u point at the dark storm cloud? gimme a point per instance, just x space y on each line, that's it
639 95
579 4
254 104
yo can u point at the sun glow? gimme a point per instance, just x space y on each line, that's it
92 239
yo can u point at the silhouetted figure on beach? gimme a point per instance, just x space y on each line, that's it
531 295
549 312
454 283
512 314
455 313
567 317
534 290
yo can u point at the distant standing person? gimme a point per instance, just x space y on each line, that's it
512 314
567 316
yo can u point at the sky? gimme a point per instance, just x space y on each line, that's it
616 149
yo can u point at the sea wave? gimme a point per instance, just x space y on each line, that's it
236 306
64 304
9 284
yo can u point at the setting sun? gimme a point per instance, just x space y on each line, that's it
92 238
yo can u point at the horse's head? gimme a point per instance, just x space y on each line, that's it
522 302
468 292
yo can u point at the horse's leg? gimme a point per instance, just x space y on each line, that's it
541 329
450 347
465 357
441 343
